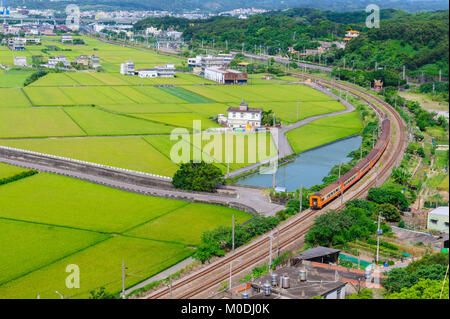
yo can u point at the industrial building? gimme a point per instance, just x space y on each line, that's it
225 76
438 219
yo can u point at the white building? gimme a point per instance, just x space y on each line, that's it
174 34
438 219
20 60
66 38
52 62
243 116
127 68
167 71
147 73
194 62
225 76
153 31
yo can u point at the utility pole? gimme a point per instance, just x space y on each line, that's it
226 45
378 238
404 72
228 165
339 169
360 155
232 235
297 110
440 75
301 198
270 252
373 139
170 287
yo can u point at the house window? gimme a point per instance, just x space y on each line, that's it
434 221
234 114
242 115
446 224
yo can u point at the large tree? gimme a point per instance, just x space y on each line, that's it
201 176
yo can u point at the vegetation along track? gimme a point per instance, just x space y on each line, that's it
290 233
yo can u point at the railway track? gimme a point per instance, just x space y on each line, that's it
204 283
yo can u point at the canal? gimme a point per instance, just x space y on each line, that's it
309 168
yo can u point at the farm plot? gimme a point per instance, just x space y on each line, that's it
159 96
146 108
325 130
180 119
47 96
125 152
84 78
13 79
15 98
38 246
55 79
185 95
183 230
9 170
68 221
98 122
36 122
135 95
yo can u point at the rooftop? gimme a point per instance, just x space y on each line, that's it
442 211
315 252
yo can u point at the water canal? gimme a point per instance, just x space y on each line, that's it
309 168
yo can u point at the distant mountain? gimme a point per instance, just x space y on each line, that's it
225 5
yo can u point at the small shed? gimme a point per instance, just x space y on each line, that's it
319 254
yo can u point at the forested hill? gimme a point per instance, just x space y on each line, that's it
419 40
216 6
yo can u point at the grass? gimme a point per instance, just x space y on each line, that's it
425 101
97 122
66 221
322 131
36 122
9 170
182 228
12 98
14 78
185 95
180 119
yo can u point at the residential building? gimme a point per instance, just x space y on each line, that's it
52 62
243 116
127 68
438 219
17 44
33 40
82 60
194 62
153 31
20 61
167 71
94 61
147 73
174 34
225 76
352 34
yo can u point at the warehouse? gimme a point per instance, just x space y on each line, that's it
225 76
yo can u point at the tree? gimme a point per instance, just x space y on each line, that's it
390 212
423 289
201 176
362 294
401 176
383 195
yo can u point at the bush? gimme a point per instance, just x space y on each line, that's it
385 195
390 212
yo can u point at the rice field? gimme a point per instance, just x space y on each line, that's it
66 221
323 131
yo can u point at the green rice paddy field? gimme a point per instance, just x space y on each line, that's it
48 222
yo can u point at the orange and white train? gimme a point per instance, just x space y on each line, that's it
337 188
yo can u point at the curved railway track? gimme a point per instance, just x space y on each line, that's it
204 283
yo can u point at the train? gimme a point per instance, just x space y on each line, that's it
321 198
